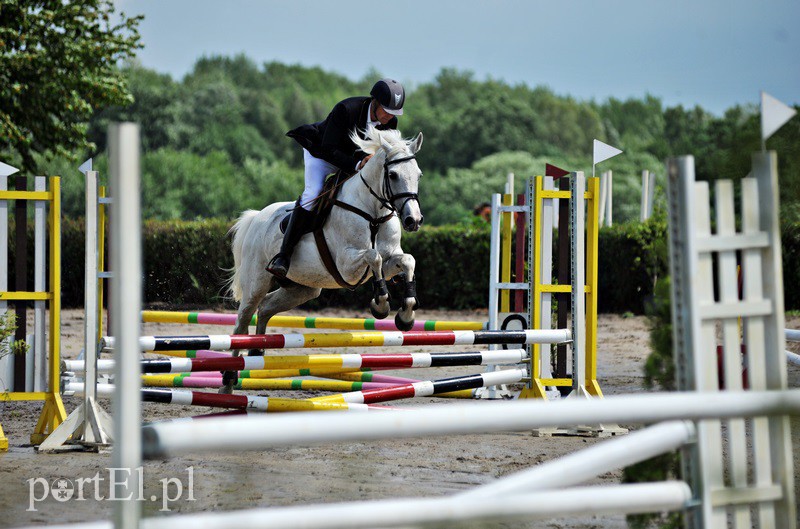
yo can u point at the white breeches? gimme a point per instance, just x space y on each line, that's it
316 171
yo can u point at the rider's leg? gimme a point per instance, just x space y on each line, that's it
300 218
315 172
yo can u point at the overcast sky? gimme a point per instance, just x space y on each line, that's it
713 53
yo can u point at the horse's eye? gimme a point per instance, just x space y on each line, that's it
393 175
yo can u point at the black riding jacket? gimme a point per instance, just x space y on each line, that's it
330 139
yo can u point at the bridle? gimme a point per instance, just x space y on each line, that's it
389 196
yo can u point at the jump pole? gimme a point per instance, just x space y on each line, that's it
458 419
261 384
249 363
350 339
217 400
302 322
429 388
215 381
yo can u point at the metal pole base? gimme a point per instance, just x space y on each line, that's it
87 428
495 392
3 440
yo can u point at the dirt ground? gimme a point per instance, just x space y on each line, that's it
294 476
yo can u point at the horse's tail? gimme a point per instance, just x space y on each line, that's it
239 230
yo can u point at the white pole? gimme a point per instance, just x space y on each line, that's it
645 192
591 462
793 358
610 199
549 206
90 287
7 360
494 262
578 281
259 433
604 187
792 335
598 500
39 285
126 262
651 191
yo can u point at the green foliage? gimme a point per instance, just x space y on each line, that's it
632 258
8 326
659 468
660 365
226 122
659 373
57 67
221 131
790 242
187 263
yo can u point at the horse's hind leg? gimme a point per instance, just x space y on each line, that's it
247 307
281 300
402 266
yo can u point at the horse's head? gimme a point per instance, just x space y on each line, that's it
399 172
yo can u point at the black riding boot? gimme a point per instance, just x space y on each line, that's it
300 219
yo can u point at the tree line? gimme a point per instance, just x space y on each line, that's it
214 141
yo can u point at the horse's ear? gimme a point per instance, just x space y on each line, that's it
416 143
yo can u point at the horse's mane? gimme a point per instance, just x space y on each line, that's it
373 142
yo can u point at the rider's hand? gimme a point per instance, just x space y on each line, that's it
364 162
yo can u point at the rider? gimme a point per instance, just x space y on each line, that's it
327 147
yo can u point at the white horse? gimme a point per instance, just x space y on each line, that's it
362 231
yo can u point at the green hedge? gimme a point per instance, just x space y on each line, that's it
790 240
185 265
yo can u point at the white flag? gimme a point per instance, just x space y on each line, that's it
603 151
86 166
774 114
7 170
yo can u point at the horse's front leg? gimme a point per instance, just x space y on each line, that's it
379 304
401 267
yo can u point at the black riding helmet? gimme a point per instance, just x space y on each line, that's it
390 94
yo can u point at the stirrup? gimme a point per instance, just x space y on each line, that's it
279 266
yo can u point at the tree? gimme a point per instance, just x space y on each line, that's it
156 106
57 67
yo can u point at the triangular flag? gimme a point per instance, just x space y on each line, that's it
7 170
86 166
603 151
774 114
555 172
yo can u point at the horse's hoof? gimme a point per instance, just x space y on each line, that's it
255 352
403 325
226 390
376 312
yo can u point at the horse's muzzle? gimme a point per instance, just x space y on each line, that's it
412 224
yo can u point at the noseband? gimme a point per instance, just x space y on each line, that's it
389 197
